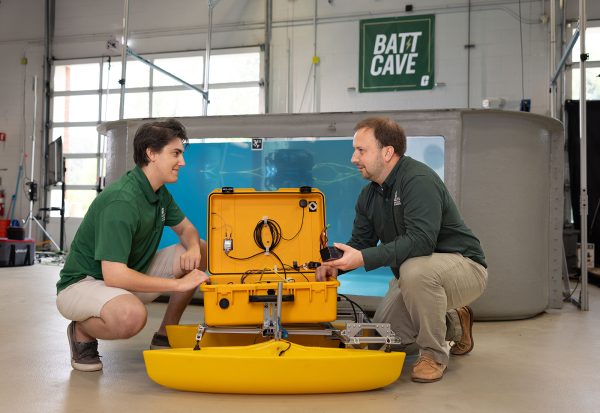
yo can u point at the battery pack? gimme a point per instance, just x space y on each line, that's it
331 253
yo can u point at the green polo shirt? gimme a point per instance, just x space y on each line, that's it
410 215
123 224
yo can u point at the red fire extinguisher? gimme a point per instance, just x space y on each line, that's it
2 200
2 197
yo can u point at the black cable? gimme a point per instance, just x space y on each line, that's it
225 224
353 309
574 289
299 229
255 272
298 271
281 262
248 273
282 352
352 302
594 217
244 258
274 229
276 237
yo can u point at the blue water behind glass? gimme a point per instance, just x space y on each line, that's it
322 163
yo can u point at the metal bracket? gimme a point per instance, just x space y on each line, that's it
199 334
354 336
269 325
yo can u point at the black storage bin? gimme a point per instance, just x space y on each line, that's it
15 253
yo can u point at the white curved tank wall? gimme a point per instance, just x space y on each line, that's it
511 195
504 169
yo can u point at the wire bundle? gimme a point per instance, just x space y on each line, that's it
274 229
276 236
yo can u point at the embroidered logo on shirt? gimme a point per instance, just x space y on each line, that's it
163 215
397 200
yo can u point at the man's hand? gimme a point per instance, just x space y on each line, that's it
324 273
190 260
191 280
352 259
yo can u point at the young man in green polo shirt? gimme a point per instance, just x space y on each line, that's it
113 267
407 220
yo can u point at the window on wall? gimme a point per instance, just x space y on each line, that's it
592 69
87 92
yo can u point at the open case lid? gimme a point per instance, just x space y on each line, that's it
236 219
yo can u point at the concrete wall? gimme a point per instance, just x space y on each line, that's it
84 26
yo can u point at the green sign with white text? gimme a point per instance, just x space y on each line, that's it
396 54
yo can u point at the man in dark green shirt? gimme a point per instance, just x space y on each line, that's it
113 267
407 220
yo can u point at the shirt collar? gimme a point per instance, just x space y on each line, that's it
142 179
385 188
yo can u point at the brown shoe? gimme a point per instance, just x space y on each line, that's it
84 355
159 342
427 370
466 343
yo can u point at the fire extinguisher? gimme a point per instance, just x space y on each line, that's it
2 200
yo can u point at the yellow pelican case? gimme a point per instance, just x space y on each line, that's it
257 239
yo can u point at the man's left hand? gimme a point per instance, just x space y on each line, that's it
190 259
352 258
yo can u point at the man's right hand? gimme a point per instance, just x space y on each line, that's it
324 273
191 280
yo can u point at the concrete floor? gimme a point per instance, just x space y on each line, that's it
550 363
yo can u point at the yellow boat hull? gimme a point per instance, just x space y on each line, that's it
273 367
184 336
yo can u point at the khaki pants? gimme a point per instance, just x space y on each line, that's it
416 304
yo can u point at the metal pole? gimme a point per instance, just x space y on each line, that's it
583 156
552 56
562 92
124 58
48 44
468 47
267 57
565 56
32 187
205 102
315 61
561 41
63 190
290 97
161 70
278 311
31 183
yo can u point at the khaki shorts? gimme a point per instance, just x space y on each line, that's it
85 298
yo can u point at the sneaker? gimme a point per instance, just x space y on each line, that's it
84 356
427 370
159 342
466 343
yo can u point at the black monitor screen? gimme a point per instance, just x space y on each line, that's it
55 162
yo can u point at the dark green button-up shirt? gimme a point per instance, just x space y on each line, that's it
410 215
